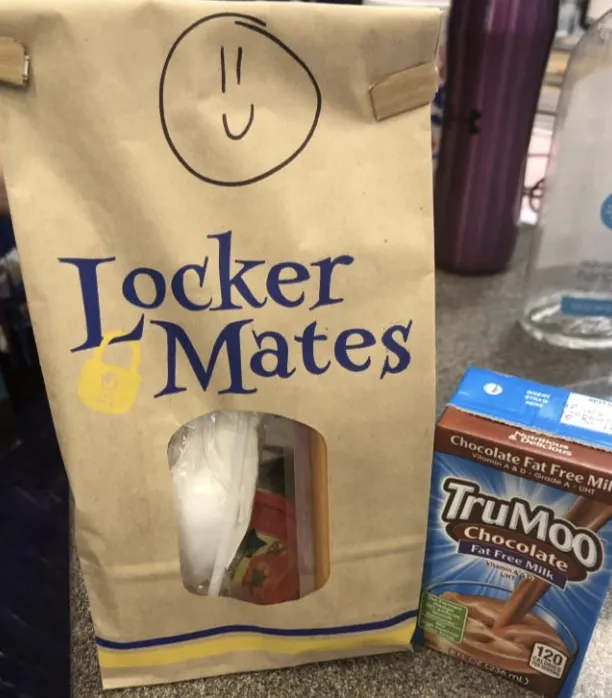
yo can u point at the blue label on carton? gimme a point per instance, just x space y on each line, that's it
542 408
517 569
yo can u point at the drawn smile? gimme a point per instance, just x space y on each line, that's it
245 130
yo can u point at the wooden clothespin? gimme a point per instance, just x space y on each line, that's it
14 62
404 91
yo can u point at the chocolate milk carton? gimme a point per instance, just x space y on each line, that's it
519 548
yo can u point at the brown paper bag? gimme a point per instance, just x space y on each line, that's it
227 207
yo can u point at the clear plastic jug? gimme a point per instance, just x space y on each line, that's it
569 288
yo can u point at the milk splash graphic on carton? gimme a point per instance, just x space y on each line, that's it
517 564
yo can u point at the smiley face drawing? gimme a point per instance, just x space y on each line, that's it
236 104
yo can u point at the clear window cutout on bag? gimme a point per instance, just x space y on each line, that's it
251 501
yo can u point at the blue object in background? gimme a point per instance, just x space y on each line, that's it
7 237
34 549
34 536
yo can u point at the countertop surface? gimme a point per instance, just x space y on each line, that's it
476 325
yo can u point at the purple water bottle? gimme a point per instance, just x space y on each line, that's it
497 52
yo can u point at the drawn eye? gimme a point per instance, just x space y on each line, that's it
223 69
239 65
238 68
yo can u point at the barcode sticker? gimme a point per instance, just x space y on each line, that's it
588 413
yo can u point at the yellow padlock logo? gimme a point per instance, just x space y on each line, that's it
107 388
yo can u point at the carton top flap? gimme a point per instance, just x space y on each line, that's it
540 408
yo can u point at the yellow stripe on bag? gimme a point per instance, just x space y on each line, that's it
212 647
